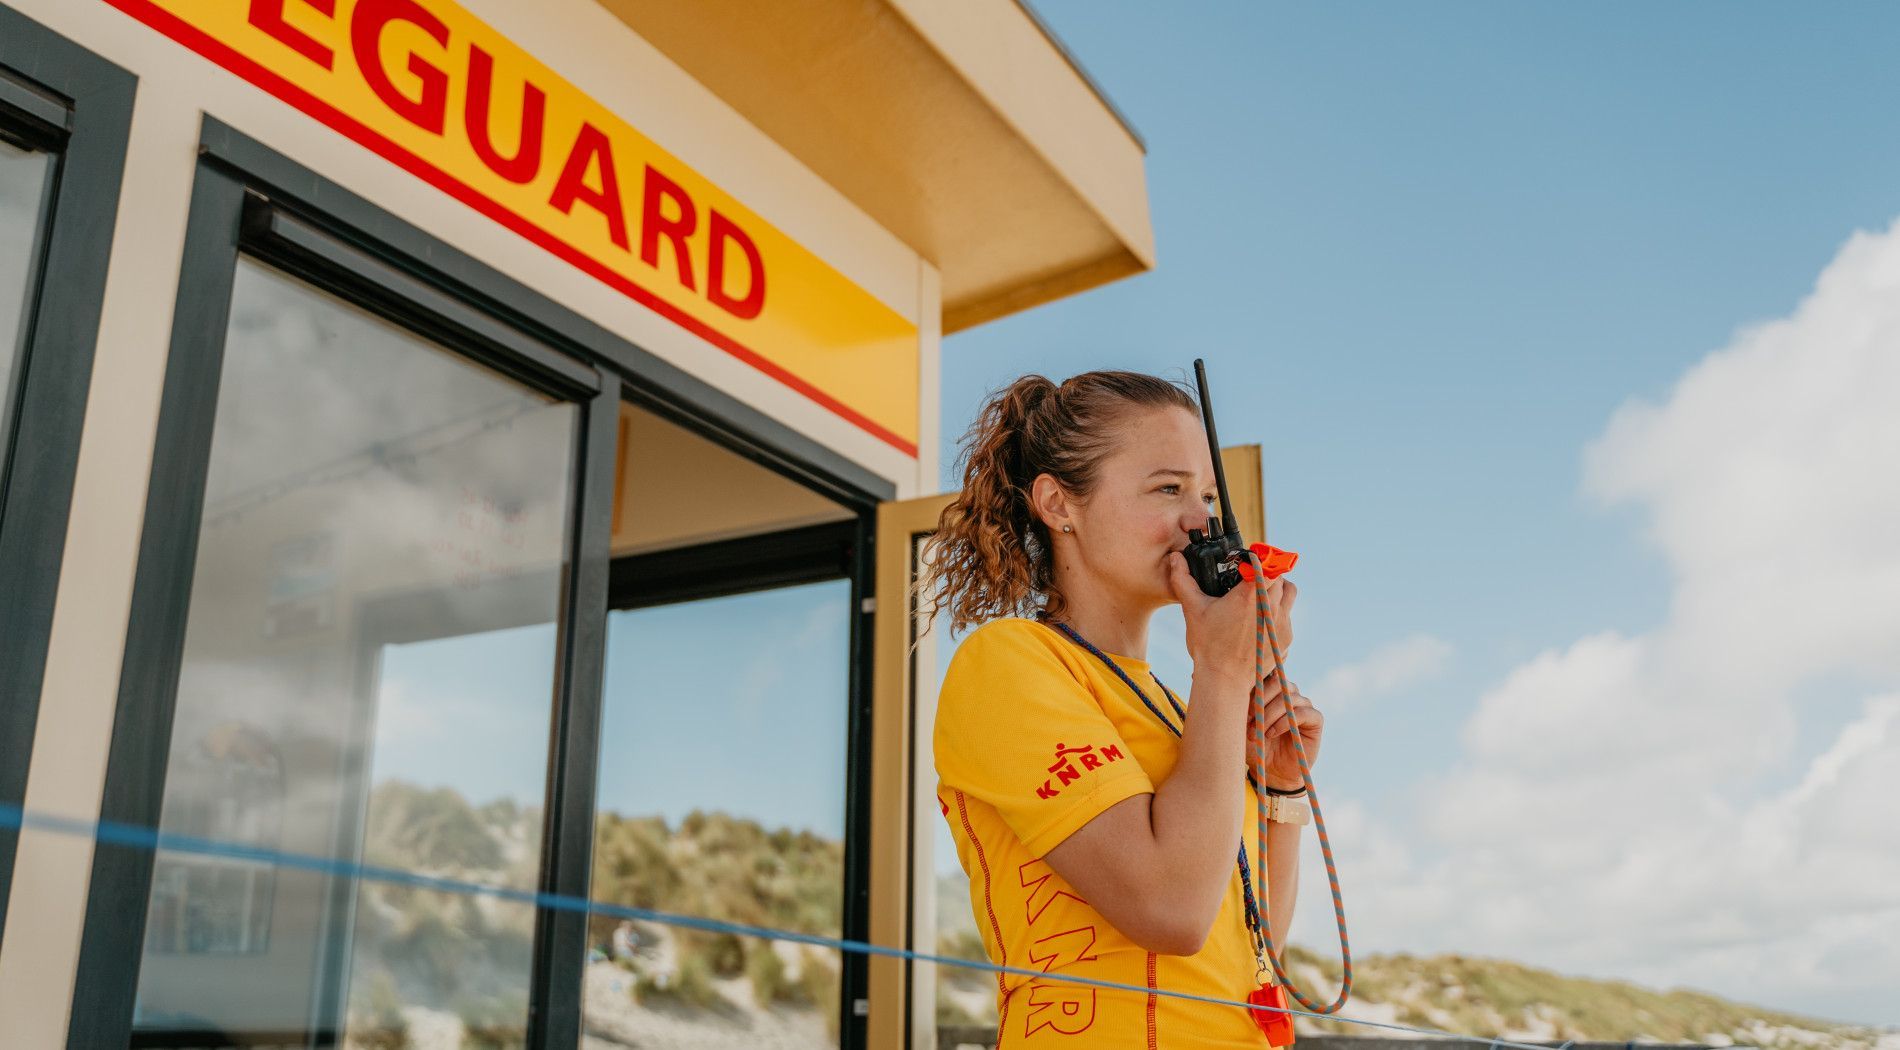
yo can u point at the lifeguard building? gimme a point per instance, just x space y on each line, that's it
424 421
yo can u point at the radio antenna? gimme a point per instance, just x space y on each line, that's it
1228 522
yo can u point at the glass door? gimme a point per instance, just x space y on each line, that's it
725 753
368 672
903 910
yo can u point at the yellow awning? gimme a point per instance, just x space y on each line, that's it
964 128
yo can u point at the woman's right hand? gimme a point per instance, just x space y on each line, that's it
1221 631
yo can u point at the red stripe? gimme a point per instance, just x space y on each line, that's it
996 929
1151 1000
217 51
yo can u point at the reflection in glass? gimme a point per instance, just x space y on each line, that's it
965 997
368 675
229 787
722 793
25 182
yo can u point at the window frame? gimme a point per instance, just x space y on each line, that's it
61 98
811 554
250 200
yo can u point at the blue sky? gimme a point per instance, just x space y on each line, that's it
727 705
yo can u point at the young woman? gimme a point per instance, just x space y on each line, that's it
1099 815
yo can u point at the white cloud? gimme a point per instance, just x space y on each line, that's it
1639 805
1389 669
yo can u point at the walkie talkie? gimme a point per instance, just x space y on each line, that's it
1216 557
1211 555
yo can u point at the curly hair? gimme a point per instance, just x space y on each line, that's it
991 555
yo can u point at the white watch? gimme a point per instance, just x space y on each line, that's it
1284 810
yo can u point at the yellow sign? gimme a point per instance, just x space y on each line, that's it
443 95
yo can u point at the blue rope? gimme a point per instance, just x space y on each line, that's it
131 836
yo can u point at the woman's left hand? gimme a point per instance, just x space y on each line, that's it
1283 764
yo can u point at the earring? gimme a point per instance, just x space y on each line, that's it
1068 528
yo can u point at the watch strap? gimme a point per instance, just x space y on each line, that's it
1283 810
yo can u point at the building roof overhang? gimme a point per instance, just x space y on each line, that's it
965 128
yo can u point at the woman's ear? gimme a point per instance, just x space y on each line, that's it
1050 503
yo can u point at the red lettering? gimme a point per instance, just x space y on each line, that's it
1064 949
268 15
1073 1013
746 307
429 111
1067 774
1045 791
1036 877
1091 762
1066 1007
591 146
1111 753
526 163
654 224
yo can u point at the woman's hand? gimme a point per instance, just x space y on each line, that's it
1220 631
1283 764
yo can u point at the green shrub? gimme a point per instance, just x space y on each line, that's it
724 955
510 1036
769 985
818 984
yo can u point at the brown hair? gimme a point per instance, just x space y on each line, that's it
991 555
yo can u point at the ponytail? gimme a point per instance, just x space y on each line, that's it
991 554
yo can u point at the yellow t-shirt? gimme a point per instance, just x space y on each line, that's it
1035 737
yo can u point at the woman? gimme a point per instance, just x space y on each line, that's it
1099 816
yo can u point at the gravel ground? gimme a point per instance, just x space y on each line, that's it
613 1021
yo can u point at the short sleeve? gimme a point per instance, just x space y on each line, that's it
1018 728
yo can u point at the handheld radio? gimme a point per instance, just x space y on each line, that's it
1217 557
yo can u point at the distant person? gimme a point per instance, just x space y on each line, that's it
1098 815
623 941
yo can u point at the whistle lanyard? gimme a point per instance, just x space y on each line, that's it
1250 906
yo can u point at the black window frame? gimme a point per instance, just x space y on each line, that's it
61 98
248 199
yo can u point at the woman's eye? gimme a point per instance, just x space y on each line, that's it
1171 489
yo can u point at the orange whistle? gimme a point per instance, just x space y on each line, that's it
1274 561
1277 1026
